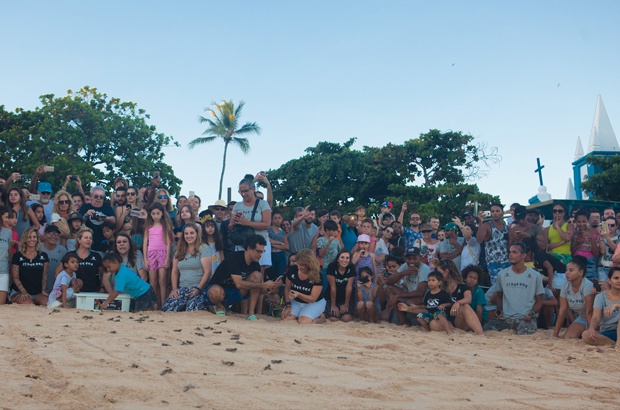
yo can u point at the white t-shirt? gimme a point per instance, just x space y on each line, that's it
519 290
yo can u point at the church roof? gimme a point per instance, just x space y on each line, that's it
578 149
602 136
570 190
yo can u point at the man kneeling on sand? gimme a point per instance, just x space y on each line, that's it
239 278
519 294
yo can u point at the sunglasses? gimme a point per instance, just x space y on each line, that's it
415 218
427 231
98 196
132 193
46 193
162 196
219 208
244 191
558 211
65 202
390 232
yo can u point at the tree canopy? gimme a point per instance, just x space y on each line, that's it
85 133
604 186
431 173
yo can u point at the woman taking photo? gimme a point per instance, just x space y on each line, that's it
461 315
191 270
25 215
29 271
302 293
132 257
259 221
123 213
577 296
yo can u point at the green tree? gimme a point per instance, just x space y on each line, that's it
604 186
430 175
224 125
85 133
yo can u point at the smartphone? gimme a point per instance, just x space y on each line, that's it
136 213
605 226
34 197
191 194
262 173
73 178
597 286
487 214
47 168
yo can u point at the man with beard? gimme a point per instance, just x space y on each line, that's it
397 238
522 229
96 213
494 234
413 233
303 230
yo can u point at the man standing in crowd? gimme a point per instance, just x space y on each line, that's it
413 233
433 221
494 234
518 296
96 213
219 212
452 246
523 229
54 251
44 190
303 230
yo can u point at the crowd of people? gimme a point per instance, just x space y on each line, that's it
478 272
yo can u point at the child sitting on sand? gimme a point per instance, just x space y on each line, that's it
129 282
432 315
368 306
66 284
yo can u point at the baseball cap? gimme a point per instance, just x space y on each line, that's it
451 226
52 228
363 238
45 187
415 251
75 215
520 212
387 204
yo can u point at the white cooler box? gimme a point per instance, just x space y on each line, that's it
92 301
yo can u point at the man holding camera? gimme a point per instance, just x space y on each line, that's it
303 229
96 213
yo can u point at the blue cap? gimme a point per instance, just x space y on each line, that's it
45 187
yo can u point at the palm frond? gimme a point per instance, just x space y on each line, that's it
242 143
200 141
239 108
248 127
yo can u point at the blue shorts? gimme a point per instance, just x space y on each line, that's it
611 334
581 321
311 310
233 296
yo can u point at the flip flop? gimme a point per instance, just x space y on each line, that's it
220 312
251 317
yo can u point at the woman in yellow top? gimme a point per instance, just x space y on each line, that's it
559 235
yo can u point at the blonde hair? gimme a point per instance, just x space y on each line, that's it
307 259
79 235
169 203
24 239
60 193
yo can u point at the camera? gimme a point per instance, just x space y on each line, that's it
73 178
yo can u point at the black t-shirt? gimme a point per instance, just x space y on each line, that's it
97 224
233 265
459 292
30 272
89 271
432 301
302 286
341 281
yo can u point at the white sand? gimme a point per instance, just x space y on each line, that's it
75 359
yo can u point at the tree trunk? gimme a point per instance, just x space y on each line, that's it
219 195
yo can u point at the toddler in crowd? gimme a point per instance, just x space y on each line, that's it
432 315
66 284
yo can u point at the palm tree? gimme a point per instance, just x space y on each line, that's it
224 125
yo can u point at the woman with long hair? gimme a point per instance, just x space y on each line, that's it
132 257
461 313
25 215
90 269
191 270
29 271
212 239
302 295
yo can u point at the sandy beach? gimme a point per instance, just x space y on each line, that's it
75 359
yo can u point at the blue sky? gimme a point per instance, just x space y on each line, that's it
380 71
